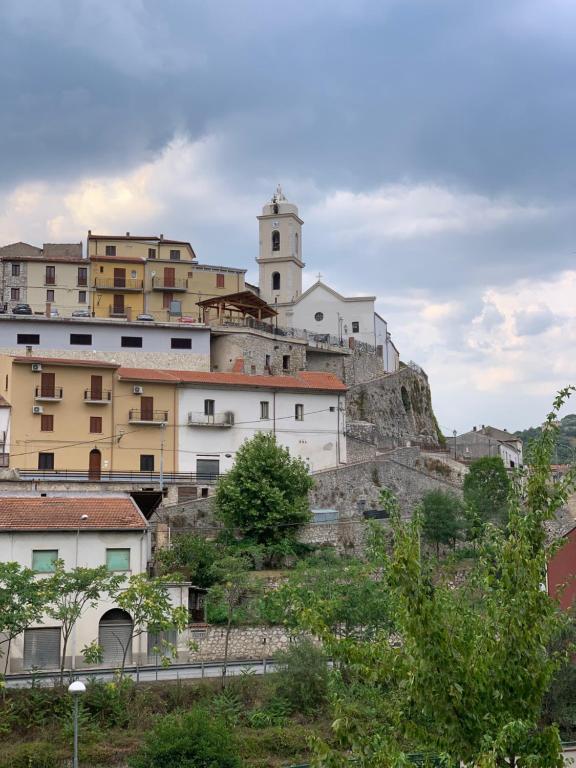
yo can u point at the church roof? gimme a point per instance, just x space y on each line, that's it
320 284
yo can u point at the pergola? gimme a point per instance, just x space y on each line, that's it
230 307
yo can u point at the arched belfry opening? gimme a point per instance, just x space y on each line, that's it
275 281
275 240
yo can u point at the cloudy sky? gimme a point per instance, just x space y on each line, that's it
428 143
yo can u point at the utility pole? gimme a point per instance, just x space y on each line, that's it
162 459
454 433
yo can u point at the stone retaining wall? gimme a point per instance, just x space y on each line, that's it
245 643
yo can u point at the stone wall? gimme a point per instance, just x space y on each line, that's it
360 441
245 643
253 347
137 358
352 366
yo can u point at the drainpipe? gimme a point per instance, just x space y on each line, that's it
338 431
274 412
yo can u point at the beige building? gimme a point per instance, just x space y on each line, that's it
52 277
134 275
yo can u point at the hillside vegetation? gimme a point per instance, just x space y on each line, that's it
565 451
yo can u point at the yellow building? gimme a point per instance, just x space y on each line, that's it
84 416
157 276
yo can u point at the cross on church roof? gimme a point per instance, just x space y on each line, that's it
319 276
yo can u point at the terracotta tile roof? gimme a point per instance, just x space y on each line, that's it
304 380
65 361
131 259
28 513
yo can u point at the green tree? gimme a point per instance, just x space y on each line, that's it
486 490
194 739
302 675
73 591
265 494
467 676
23 598
441 518
148 602
193 557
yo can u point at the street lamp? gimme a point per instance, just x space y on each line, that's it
454 433
76 689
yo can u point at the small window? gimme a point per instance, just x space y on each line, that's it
355 326
209 407
131 341
101 270
275 240
133 274
219 281
299 412
15 294
82 275
181 343
174 255
44 560
275 281
50 275
81 297
118 559
81 338
50 295
28 338
267 363
45 461
110 250
146 463
264 409
95 424
296 243
319 316
151 253
285 362
15 270
46 423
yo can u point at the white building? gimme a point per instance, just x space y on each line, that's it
320 310
86 531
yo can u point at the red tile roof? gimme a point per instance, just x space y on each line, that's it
310 380
28 513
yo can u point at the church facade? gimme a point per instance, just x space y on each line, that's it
320 310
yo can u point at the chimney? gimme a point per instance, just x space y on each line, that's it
161 237
482 426
127 234
473 429
89 233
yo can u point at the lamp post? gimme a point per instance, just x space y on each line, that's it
76 689
454 433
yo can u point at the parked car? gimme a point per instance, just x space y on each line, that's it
147 318
81 313
22 309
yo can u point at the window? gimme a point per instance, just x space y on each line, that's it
219 281
50 275
118 559
181 343
174 255
15 270
81 297
267 362
44 560
299 412
209 407
264 409
95 424
275 281
285 362
28 338
131 341
42 648
81 338
146 463
101 270
45 461
50 295
46 423
82 275
319 316
355 326
151 253
275 240
110 250
296 244
207 470
15 294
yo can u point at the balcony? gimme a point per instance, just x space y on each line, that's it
97 396
199 419
48 394
155 418
122 284
161 284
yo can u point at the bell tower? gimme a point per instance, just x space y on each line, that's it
280 255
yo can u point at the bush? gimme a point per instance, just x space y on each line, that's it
192 556
40 754
109 703
302 677
195 739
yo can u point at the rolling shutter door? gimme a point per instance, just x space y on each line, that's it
207 470
114 636
42 648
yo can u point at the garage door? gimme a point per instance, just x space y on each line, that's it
114 635
42 648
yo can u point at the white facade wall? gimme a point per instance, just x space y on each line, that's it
318 439
511 457
5 414
392 357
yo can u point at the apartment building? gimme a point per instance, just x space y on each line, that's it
134 275
54 276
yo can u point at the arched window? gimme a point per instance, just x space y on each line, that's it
275 281
296 243
275 240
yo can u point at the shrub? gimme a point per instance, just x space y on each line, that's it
40 754
195 739
109 703
303 675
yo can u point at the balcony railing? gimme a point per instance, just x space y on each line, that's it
199 419
48 393
163 284
118 284
138 416
118 476
97 396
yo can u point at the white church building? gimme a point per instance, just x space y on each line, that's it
320 310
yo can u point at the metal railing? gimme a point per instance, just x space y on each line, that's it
154 417
97 395
119 476
170 284
200 419
48 393
118 284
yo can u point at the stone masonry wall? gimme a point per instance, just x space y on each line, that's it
351 366
246 643
176 361
253 347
